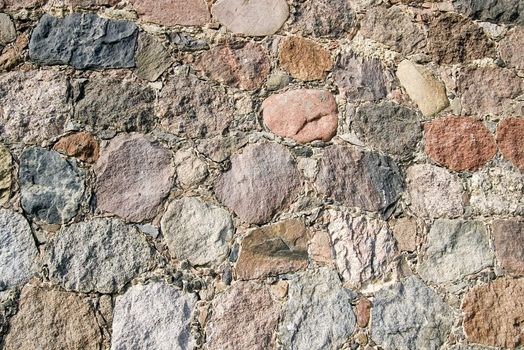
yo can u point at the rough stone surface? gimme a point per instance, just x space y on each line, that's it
91 3
363 308
318 312
262 180
459 143
422 87
304 59
153 316
455 249
325 18
434 192
14 5
197 231
303 115
152 58
191 169
320 250
84 41
134 175
6 167
53 320
17 250
51 186
409 315
494 312
100 255
497 11
245 68
80 145
509 138
251 17
364 248
13 53
7 30
232 324
512 48
359 178
405 232
273 250
389 127
507 235
173 12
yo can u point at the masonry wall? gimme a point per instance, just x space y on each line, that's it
261 174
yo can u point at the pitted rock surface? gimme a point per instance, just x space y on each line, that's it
326 18
509 140
496 11
506 235
81 145
173 12
304 59
512 48
6 167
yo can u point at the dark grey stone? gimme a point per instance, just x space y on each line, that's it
497 11
186 42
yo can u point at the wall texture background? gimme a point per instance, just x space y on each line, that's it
261 174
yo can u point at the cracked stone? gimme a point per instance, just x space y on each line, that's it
173 12
304 59
152 58
507 235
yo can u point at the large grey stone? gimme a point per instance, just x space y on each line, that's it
17 250
84 41
100 255
51 186
152 58
153 316
497 11
318 313
325 18
409 315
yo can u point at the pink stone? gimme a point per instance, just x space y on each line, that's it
173 12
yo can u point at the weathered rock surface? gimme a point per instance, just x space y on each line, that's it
434 192
359 178
325 18
320 250
245 68
273 250
364 248
153 316
6 166
363 311
459 143
134 175
303 115
191 169
405 231
389 127
100 255
251 17
91 3
53 320
455 249
173 12
152 58
84 41
497 11
243 317
507 235
512 48
262 180
304 59
81 145
51 186
7 30
493 313
509 140
14 5
318 312
197 231
17 250
409 315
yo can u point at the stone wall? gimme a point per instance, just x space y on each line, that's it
261 174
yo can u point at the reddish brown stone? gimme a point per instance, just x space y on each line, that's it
512 48
363 310
81 145
173 12
508 236
494 313
459 143
304 59
510 138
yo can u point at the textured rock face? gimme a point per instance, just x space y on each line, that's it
273 250
191 170
7 30
303 115
509 139
81 145
17 250
405 232
325 18
497 11
197 231
409 315
363 247
153 316
14 5
321 294
434 192
358 178
173 12
152 58
455 249
244 317
83 41
245 68
134 175
459 143
51 186
512 48
6 165
262 180
494 312
304 59
54 320
100 255
506 235
251 17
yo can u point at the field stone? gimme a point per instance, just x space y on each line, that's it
152 316
507 235
262 180
405 230
318 313
91 3
134 175
304 59
7 30
6 165
81 145
51 187
325 18
509 140
197 231
173 12
84 41
191 169
512 48
99 255
496 11
14 5
409 315
17 250
152 58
